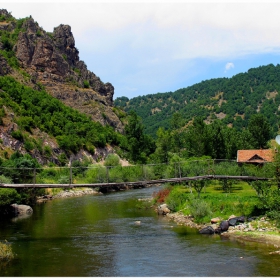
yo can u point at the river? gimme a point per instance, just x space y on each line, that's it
97 236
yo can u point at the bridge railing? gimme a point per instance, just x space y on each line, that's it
96 173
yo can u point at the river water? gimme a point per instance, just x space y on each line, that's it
97 236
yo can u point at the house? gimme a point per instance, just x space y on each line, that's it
255 156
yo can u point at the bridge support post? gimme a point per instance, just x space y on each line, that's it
70 171
34 176
180 170
107 173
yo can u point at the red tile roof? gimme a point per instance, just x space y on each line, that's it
255 156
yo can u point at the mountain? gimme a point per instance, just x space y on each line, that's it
52 60
233 100
48 95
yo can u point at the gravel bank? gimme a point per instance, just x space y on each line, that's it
261 230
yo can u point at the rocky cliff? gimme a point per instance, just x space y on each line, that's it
52 60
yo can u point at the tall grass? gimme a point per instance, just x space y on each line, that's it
6 253
214 201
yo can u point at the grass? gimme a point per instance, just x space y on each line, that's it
214 201
6 253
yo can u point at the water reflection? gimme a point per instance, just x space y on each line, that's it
97 236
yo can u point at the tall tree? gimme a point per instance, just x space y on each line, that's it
139 144
163 145
196 138
260 130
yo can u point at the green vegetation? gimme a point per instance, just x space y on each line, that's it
189 132
205 199
6 253
86 84
9 39
72 130
234 100
213 201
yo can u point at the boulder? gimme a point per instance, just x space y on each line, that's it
241 219
218 230
215 220
236 220
207 230
231 216
232 222
20 209
224 225
163 209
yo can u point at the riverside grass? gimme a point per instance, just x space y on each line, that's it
6 253
214 201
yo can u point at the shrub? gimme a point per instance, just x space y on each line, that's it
161 195
177 198
112 160
199 209
6 252
47 151
96 174
62 159
8 196
28 145
86 84
5 180
63 180
17 135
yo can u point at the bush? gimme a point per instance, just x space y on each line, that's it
6 252
161 195
8 197
199 209
112 160
96 174
47 151
5 180
63 180
86 84
177 198
17 135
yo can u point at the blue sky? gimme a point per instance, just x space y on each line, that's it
146 47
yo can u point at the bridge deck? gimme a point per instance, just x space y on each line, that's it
138 183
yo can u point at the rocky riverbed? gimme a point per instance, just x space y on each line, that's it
68 193
256 229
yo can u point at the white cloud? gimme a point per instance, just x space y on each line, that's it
180 30
142 40
228 66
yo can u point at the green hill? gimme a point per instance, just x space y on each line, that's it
51 106
232 100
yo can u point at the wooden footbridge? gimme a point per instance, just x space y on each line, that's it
103 187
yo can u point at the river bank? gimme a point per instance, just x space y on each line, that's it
261 230
67 193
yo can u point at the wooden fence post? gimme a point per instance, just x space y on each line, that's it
107 173
180 170
70 181
34 176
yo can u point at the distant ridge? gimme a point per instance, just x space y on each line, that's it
233 100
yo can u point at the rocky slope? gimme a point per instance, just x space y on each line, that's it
52 60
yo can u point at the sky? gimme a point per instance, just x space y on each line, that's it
146 47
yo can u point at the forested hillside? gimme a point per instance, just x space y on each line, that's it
51 106
232 100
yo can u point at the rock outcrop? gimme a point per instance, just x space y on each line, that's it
21 210
52 60
163 209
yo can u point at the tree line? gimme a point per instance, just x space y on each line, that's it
233 100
